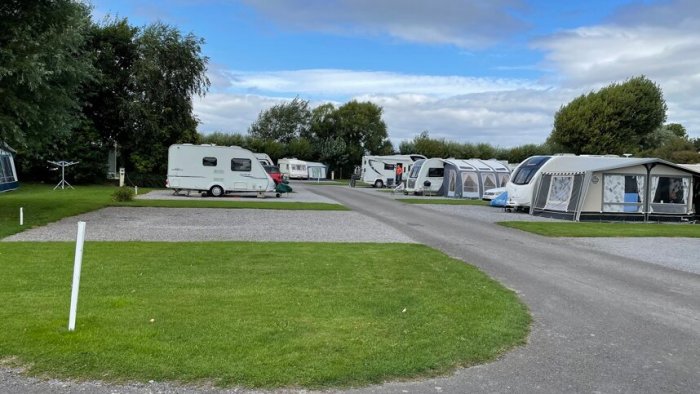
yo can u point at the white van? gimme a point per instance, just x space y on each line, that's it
216 170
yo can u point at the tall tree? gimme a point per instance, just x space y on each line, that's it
108 99
43 63
283 122
168 71
361 127
614 120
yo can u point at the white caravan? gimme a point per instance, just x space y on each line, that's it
293 168
380 171
216 170
265 159
521 186
425 177
457 178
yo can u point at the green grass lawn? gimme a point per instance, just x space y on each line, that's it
443 201
44 205
251 314
572 229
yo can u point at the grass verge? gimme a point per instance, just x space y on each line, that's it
443 201
252 314
572 229
44 205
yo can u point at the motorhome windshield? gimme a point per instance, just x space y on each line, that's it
523 175
416 169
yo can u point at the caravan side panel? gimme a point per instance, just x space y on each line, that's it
203 167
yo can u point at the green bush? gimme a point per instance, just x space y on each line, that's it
123 193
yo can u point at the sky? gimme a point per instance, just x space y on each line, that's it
493 71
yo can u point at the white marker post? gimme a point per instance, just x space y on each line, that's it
76 275
21 216
136 190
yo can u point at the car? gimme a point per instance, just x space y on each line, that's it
493 193
274 173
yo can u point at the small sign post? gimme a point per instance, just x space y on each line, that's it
76 275
21 216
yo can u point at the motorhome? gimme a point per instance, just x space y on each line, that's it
293 168
380 171
8 173
265 159
216 170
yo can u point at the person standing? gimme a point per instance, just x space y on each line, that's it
399 173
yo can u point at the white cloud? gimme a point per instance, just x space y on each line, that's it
500 112
466 24
657 41
348 83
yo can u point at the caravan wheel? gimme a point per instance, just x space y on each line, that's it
216 191
378 184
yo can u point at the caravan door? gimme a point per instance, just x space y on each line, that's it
240 174
470 185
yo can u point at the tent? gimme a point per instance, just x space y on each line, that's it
8 173
316 170
615 188
471 178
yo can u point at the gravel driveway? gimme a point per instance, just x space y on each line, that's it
206 224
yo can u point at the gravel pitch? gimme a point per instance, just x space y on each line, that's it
676 253
205 224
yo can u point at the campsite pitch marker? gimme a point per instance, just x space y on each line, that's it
76 275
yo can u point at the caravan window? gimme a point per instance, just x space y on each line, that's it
471 185
623 193
436 172
416 169
523 175
209 162
669 194
240 165
389 166
489 181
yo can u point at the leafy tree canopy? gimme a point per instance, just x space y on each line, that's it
283 122
43 63
614 120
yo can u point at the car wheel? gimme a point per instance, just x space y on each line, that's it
378 184
216 191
